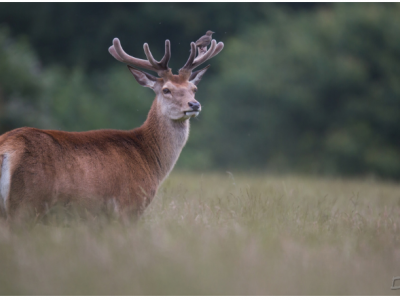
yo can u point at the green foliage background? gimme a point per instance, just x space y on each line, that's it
310 88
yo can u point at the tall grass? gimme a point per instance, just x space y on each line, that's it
220 234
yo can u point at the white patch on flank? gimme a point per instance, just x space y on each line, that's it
112 203
116 208
5 180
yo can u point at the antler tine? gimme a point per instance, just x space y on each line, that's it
122 56
149 56
161 65
193 62
218 49
191 57
167 56
114 53
202 58
149 64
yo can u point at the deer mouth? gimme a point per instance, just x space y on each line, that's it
192 113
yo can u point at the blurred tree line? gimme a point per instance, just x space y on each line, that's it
299 87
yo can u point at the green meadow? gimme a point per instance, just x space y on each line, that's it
220 234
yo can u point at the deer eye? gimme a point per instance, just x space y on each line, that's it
166 91
194 90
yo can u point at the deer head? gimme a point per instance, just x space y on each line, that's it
175 94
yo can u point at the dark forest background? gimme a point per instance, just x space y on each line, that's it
308 88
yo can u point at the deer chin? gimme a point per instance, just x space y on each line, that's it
191 113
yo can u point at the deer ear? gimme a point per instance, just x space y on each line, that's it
196 76
143 78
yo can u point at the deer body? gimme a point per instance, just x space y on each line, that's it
43 167
101 167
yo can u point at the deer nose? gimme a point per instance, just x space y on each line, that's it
194 105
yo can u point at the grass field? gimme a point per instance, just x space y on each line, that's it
221 234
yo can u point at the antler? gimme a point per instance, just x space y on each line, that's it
150 64
202 56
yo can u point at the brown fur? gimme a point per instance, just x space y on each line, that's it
93 167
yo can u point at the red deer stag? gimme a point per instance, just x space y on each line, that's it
40 168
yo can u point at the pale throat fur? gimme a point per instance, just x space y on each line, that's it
168 138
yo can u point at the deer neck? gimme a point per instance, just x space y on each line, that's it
165 138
